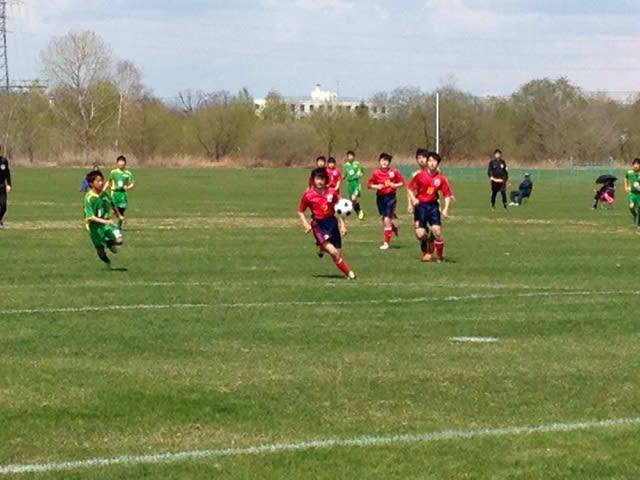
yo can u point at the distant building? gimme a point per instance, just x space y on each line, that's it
321 99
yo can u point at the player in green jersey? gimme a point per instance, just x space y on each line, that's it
97 211
632 187
120 182
352 172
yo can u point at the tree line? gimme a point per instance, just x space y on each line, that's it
91 105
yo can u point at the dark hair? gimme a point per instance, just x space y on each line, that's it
319 172
121 157
331 160
321 157
351 152
91 176
497 150
436 156
635 160
385 155
422 152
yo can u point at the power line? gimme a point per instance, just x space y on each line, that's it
4 63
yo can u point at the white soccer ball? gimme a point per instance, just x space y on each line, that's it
343 207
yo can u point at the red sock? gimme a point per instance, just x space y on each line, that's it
387 234
439 244
342 265
431 246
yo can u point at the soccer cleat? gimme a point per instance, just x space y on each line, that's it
320 254
384 246
441 260
426 257
351 275
361 215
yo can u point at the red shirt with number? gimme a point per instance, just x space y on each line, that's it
427 185
320 202
385 177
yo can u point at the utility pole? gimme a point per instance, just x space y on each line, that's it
4 63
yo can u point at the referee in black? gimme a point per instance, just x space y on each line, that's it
498 174
5 185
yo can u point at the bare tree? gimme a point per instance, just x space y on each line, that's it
78 69
129 89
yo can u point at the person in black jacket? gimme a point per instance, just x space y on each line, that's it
5 185
524 191
498 174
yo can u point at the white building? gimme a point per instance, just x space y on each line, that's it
323 99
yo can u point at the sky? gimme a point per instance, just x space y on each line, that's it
356 47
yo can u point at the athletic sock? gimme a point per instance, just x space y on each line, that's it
439 246
103 256
342 265
387 234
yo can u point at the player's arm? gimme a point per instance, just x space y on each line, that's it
305 223
342 226
627 185
445 208
132 182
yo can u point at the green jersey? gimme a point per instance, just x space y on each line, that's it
633 180
352 171
118 180
99 205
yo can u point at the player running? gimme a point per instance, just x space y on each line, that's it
632 187
423 191
327 229
352 172
386 180
97 217
120 182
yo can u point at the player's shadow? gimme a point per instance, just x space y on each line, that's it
118 269
326 275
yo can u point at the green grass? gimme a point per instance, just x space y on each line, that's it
220 328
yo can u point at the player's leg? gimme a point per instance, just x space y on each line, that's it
354 191
102 255
494 193
3 204
503 193
336 256
438 242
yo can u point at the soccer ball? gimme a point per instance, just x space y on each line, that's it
343 207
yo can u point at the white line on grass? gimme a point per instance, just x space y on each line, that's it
229 285
313 303
275 448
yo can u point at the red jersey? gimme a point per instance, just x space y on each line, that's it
333 177
385 177
320 203
427 185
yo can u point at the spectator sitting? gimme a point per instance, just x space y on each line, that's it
524 191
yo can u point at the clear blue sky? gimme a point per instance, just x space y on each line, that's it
359 47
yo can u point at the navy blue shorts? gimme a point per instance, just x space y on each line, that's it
386 204
427 213
326 230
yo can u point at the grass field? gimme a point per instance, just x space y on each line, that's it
221 346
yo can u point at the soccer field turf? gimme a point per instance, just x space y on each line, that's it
221 346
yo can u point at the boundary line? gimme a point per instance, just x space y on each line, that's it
275 448
311 303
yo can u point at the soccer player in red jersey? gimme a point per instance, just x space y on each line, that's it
326 228
334 177
423 191
386 180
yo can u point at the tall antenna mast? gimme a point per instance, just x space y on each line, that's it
4 63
